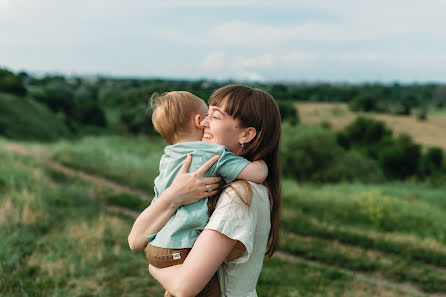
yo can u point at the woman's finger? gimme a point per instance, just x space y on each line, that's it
186 164
205 167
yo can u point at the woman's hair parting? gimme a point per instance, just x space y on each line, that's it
256 108
172 111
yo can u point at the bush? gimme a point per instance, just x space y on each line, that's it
137 119
307 150
90 113
310 153
432 161
366 135
401 160
288 112
363 102
11 83
352 166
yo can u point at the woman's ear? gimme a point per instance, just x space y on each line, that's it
198 118
248 135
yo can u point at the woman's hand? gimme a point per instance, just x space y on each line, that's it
188 188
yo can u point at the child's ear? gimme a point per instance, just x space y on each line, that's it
197 121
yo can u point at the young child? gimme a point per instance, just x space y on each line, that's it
177 116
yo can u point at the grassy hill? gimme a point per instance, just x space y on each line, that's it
60 237
431 132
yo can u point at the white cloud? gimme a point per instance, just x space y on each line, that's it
214 61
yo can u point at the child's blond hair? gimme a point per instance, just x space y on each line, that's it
172 111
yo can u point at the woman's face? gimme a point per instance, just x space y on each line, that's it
221 128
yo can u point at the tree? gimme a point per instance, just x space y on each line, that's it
401 160
11 83
288 112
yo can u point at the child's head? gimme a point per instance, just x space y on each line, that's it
177 115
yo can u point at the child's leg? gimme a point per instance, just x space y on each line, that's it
164 257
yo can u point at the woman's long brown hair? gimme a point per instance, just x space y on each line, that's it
258 109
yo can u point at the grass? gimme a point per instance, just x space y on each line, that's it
389 266
57 239
366 208
130 161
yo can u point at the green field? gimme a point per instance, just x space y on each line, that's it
59 236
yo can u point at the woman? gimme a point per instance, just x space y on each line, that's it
245 221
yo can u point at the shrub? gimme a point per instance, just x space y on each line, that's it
90 113
363 102
401 160
11 83
432 161
310 153
307 150
366 135
325 124
137 119
288 112
352 166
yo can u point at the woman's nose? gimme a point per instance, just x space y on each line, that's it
205 122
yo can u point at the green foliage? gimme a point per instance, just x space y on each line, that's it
363 102
57 239
90 113
351 166
130 161
347 256
312 154
432 161
325 124
288 112
137 119
11 83
365 134
401 160
25 119
128 201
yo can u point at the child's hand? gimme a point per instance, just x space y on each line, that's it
188 188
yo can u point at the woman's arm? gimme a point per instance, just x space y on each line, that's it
208 253
187 188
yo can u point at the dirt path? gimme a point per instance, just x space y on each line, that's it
45 157
402 287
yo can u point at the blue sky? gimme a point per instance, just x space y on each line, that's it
335 41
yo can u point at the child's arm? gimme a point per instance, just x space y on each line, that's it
256 171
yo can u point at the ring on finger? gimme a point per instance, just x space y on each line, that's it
208 189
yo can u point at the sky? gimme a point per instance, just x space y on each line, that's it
296 41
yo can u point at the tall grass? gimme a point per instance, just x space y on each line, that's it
130 161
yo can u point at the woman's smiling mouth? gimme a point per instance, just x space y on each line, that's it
207 136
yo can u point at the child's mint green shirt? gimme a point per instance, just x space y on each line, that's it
186 224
